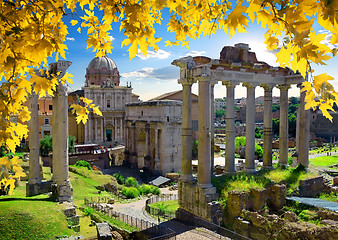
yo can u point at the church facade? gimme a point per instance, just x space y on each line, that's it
102 85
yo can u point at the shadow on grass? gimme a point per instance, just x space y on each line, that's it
8 199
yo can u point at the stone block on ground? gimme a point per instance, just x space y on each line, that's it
311 187
258 199
277 196
335 181
103 231
173 176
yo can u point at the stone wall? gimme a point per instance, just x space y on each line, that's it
198 201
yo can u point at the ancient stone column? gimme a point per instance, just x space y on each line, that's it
283 124
268 133
304 132
204 151
230 127
212 124
250 127
64 190
186 171
157 161
33 127
102 130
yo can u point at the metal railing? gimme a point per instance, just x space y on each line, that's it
160 213
156 232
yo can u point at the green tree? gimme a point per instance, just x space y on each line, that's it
292 124
239 141
275 108
275 126
195 149
220 113
71 143
258 133
46 145
294 100
293 108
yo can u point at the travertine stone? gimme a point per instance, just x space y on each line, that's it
33 125
204 150
283 125
250 127
268 134
304 132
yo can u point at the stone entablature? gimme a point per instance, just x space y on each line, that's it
153 135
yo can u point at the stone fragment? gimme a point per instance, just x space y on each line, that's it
277 196
335 181
311 187
111 201
329 222
103 231
173 176
291 216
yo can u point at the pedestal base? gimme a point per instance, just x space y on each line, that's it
38 188
199 202
64 193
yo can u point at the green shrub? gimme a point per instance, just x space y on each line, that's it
83 163
144 189
258 151
119 178
155 190
88 211
131 182
46 145
130 192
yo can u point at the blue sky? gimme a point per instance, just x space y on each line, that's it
154 75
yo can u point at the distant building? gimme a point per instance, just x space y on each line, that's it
154 135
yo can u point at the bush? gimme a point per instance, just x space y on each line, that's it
46 146
83 163
71 143
144 189
155 190
131 182
119 178
258 151
130 192
88 211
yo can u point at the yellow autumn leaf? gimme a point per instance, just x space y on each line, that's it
319 80
5 162
73 22
324 107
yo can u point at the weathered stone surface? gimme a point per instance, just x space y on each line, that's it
291 216
103 231
335 181
237 201
328 215
311 187
258 199
69 211
329 222
173 176
75 220
111 201
277 196
199 201
38 188
238 54
218 169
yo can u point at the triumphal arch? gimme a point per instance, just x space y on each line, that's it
237 65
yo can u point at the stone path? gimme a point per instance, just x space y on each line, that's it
316 202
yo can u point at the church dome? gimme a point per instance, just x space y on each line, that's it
102 63
102 71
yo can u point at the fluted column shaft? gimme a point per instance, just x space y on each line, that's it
204 151
230 128
250 128
33 126
283 125
268 134
186 170
212 124
304 132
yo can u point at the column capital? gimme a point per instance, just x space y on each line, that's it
268 86
284 87
205 78
213 82
250 84
230 83
187 81
184 63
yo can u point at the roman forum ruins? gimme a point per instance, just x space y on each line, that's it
60 184
236 65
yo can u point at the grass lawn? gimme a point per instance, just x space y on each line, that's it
38 217
171 205
324 160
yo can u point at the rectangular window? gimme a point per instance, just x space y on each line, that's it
46 120
108 103
50 107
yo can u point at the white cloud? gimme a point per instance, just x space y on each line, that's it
195 53
70 39
165 73
160 54
111 38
